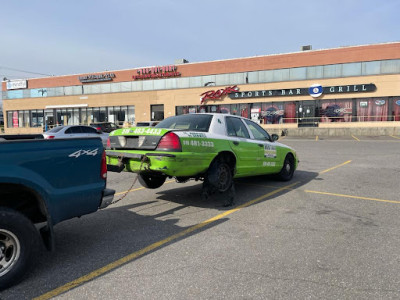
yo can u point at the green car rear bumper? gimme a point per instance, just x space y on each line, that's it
185 164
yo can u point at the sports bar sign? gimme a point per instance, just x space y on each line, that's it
314 91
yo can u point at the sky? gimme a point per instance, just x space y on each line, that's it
44 38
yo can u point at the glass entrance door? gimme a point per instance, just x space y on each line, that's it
306 114
48 119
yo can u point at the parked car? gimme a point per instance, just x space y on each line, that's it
147 123
212 147
75 131
105 126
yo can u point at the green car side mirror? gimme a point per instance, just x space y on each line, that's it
274 137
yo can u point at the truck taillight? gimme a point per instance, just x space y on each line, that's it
103 172
49 137
169 142
108 143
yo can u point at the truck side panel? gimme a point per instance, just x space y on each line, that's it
66 173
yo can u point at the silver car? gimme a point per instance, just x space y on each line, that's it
147 123
75 131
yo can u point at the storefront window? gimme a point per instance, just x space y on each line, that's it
372 109
10 119
336 110
83 116
37 118
396 109
235 109
131 115
225 109
121 116
95 115
277 113
202 109
49 119
103 115
75 117
256 112
157 112
244 110
111 115
90 117
27 119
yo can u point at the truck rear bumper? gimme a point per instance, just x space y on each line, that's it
108 196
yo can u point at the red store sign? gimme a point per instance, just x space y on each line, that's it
218 94
157 72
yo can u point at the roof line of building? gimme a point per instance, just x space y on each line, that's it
221 60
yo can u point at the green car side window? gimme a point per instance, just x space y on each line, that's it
258 132
235 127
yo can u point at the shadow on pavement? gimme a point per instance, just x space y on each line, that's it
86 244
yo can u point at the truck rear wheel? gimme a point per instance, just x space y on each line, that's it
18 245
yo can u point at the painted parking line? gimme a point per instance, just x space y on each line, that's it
77 282
351 196
357 139
395 137
335 167
316 138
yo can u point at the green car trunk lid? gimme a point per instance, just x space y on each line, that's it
139 138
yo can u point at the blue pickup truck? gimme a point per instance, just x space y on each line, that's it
43 182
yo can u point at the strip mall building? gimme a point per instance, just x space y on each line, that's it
339 91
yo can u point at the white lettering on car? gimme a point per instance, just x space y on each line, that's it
147 131
78 153
195 143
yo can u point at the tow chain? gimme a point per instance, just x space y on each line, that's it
133 183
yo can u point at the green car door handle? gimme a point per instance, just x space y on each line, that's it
236 143
261 145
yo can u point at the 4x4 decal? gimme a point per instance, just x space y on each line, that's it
78 153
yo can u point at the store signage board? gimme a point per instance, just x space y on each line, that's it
17 84
314 91
97 77
380 102
157 72
217 94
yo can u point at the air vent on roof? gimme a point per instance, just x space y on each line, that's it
181 61
306 48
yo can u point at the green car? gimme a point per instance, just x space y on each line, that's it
215 148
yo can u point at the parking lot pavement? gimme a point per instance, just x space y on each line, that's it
389 138
332 233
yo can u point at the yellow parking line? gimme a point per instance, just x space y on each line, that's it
335 167
395 137
134 255
132 190
350 196
355 138
316 137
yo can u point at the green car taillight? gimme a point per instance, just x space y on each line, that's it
170 142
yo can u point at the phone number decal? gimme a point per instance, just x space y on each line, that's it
199 143
147 131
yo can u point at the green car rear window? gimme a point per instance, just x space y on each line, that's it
187 122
